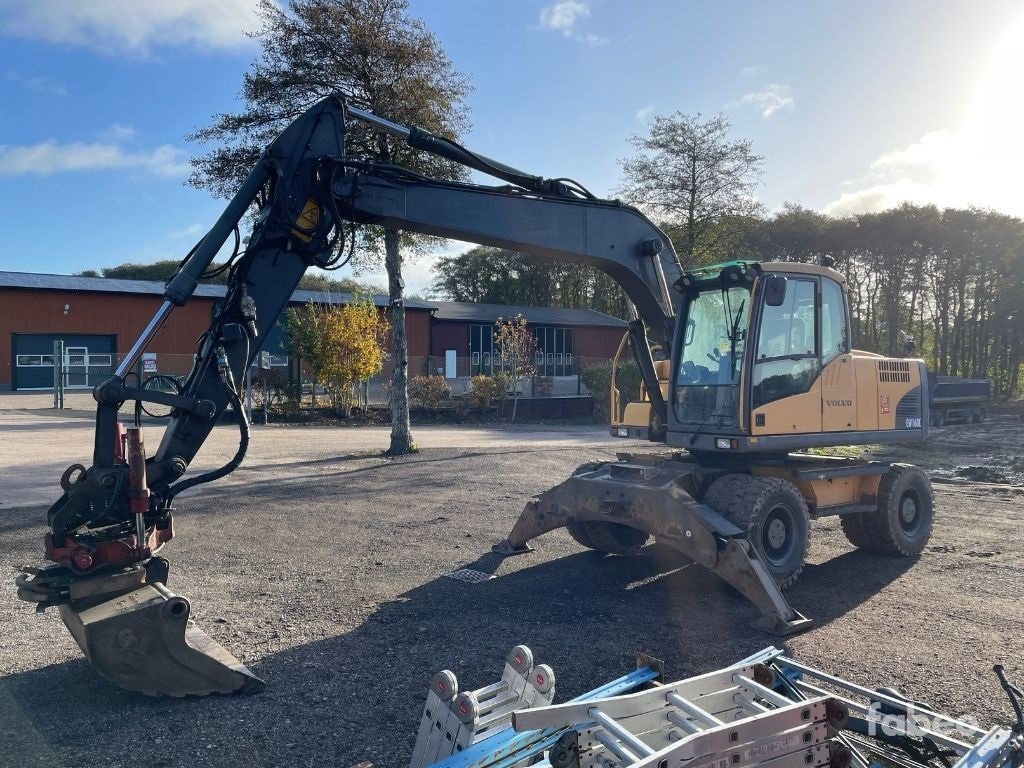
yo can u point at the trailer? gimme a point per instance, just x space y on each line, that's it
957 401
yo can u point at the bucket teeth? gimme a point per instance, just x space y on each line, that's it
143 641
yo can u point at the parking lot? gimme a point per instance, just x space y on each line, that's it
320 564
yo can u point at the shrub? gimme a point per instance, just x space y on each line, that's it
482 391
597 379
428 392
269 388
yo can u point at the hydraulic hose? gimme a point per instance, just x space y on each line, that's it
232 465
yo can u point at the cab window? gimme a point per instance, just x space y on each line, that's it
787 361
835 338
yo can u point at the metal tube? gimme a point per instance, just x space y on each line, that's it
630 740
747 701
378 122
144 339
490 690
876 696
687 725
616 748
693 710
766 693
860 709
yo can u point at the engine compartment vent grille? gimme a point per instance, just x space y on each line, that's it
894 371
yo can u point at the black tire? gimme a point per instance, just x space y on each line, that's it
902 523
853 529
581 534
720 492
610 538
773 514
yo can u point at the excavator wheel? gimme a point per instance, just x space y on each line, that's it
902 523
774 515
610 538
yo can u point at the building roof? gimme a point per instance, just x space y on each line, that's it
155 288
489 313
443 310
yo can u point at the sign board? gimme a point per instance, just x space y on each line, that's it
265 360
149 362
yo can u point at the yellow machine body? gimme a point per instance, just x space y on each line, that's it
852 397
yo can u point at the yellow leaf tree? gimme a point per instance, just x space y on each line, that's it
342 345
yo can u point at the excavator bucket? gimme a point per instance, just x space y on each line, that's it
649 494
143 641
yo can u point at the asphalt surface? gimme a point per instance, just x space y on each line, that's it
320 565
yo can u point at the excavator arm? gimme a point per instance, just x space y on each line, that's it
107 527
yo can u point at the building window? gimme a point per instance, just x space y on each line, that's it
554 351
33 361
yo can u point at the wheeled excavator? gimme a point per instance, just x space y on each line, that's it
741 364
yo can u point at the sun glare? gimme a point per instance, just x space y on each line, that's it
987 165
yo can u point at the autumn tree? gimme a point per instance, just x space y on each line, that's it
380 58
692 177
515 345
342 345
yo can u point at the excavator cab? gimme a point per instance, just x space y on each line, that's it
762 363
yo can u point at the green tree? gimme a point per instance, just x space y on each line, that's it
501 276
381 58
689 174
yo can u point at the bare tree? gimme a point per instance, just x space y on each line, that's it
374 53
691 176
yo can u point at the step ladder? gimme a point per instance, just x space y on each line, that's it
765 711
730 718
453 720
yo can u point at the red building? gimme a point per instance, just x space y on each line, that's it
98 319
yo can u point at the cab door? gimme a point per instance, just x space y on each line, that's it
785 383
838 380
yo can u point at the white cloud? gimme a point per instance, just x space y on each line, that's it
564 17
117 133
50 157
43 84
130 26
933 148
880 197
978 164
770 100
753 69
644 113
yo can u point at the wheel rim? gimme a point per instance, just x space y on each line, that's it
777 536
910 512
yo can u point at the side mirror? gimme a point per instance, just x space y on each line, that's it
774 290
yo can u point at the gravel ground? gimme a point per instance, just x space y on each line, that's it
320 566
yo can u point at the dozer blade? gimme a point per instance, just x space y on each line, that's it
143 641
649 495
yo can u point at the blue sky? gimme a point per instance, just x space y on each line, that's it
855 105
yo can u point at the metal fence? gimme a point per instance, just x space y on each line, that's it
283 373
